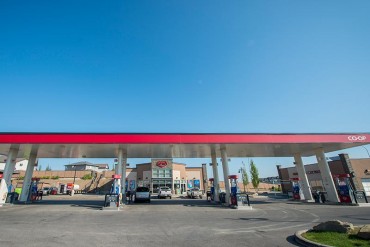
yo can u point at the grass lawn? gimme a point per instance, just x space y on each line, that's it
336 239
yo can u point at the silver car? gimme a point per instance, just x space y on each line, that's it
46 191
142 194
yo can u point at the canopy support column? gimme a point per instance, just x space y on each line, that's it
215 175
28 176
8 172
225 168
122 163
303 177
327 179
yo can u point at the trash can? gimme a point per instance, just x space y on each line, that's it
316 197
322 197
16 196
222 197
209 196
10 198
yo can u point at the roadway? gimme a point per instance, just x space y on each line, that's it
78 221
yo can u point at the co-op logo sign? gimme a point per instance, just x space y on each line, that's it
356 138
161 163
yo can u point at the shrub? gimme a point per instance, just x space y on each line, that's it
86 177
20 178
45 177
55 177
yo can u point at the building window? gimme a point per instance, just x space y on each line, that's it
168 173
155 173
162 173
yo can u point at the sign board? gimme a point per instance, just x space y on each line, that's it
69 186
242 200
132 185
190 184
161 163
111 200
360 196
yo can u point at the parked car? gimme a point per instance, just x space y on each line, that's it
142 194
53 190
194 192
164 192
46 191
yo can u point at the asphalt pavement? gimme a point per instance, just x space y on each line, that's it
79 221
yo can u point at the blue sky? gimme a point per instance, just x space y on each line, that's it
185 66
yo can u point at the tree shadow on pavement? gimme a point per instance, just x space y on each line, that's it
93 204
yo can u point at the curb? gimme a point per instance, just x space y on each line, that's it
305 242
326 203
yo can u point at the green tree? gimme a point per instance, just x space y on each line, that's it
254 175
245 177
40 167
48 168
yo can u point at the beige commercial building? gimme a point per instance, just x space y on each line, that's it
165 172
358 169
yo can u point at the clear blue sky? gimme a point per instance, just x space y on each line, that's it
185 66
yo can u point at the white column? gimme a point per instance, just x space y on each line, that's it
119 169
225 168
28 176
8 172
123 163
215 175
173 184
327 179
305 185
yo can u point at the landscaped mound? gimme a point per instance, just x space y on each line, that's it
338 233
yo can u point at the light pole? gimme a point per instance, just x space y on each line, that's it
241 171
74 180
74 177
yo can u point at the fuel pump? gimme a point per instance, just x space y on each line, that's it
113 199
212 195
297 192
345 191
116 189
234 189
34 194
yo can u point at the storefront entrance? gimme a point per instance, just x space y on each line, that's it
161 183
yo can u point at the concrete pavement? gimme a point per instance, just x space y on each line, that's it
78 221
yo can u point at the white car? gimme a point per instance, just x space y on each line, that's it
194 192
142 194
46 191
164 192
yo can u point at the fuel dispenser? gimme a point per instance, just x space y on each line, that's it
345 191
234 189
212 192
113 199
297 192
34 193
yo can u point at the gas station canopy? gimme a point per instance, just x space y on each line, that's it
156 145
